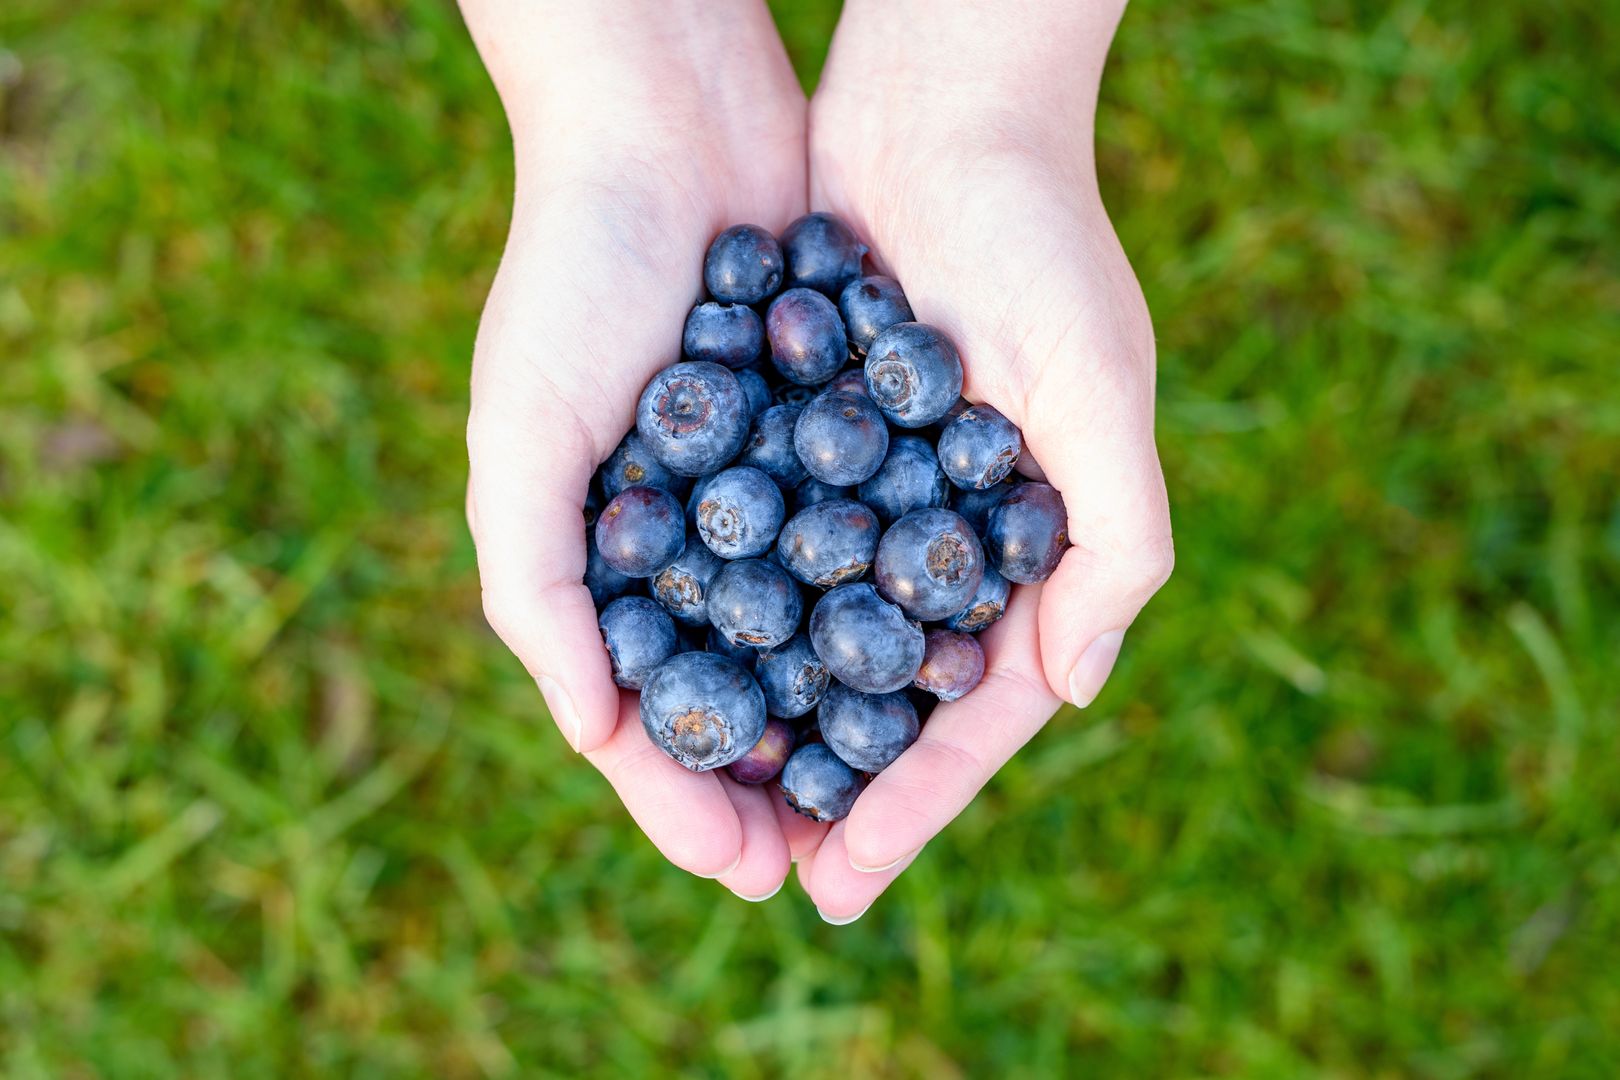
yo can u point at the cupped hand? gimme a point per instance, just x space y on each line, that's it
625 171
976 189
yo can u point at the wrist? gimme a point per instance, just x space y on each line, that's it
650 77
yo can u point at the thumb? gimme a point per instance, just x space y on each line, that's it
1093 435
530 469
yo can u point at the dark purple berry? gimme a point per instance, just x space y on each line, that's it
909 479
743 265
866 731
729 334
766 759
641 531
806 336
632 464
852 381
1028 533
818 785
829 543
988 604
683 586
604 582
975 506
702 709
953 664
740 512
792 677
639 636
841 438
865 641
913 373
822 253
756 390
770 445
870 305
979 448
693 417
811 491
754 602
930 563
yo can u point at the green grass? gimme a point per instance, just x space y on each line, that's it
273 801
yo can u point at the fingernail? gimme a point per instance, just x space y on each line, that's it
722 873
562 709
846 920
879 869
1091 670
758 899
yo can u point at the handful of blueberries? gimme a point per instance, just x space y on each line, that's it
849 523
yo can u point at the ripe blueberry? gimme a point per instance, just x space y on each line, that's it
930 563
739 513
806 336
865 641
743 265
870 305
729 334
770 445
841 438
639 636
953 664
1028 533
818 785
822 253
641 531
913 373
702 709
829 543
683 586
693 417
866 731
754 602
909 479
979 448
988 604
792 677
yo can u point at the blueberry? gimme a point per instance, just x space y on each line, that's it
829 543
909 479
811 491
867 731
988 604
1028 533
693 417
870 305
746 656
743 265
822 253
740 513
818 785
865 641
852 381
766 759
683 586
632 464
754 602
978 449
756 390
953 664
641 531
792 677
806 336
770 445
729 334
639 636
913 373
841 438
930 563
975 506
602 580
702 709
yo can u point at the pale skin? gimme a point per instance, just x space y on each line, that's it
957 141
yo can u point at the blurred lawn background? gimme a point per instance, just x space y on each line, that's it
274 802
